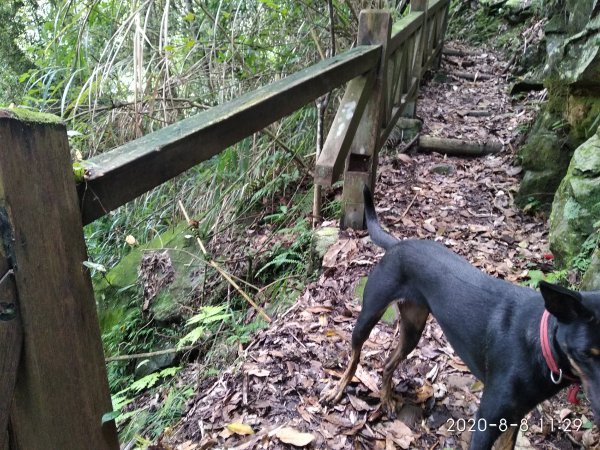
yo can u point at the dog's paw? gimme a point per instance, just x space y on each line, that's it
389 405
332 396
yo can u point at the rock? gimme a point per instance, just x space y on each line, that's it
323 238
545 158
577 57
120 297
576 206
583 115
442 169
591 278
154 363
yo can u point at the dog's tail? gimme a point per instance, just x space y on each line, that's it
378 234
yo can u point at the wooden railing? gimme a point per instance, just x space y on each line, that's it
53 386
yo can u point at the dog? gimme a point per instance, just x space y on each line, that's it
524 345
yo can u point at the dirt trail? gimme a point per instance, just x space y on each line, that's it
465 203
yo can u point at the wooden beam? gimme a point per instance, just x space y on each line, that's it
61 391
405 28
458 146
339 139
401 110
118 176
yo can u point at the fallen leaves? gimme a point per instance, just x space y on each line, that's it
275 393
240 428
292 436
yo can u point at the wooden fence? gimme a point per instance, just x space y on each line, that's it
53 386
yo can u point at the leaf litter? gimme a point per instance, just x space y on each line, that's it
271 399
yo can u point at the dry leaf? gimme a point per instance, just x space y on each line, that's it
259 372
240 428
292 436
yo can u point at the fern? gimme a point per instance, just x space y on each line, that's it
150 380
207 315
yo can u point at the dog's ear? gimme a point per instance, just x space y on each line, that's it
563 303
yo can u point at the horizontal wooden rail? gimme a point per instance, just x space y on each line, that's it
404 28
116 177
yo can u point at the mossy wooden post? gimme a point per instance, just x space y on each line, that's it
443 17
420 53
374 28
61 390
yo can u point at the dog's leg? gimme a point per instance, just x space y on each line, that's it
367 319
413 318
378 295
498 418
335 394
507 440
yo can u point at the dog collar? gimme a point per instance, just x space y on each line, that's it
556 373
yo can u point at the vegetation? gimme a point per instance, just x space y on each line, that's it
114 71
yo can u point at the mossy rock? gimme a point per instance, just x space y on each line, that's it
583 116
580 62
591 278
323 238
576 206
119 295
545 158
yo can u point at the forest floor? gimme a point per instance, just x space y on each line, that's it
465 203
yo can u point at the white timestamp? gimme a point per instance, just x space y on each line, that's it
460 425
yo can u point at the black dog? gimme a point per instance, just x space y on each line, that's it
497 328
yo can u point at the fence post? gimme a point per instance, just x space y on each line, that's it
61 390
374 28
443 16
11 333
419 54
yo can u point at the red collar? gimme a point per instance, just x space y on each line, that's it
556 373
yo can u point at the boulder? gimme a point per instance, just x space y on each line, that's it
576 206
591 278
156 278
545 158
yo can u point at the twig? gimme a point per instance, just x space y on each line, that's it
223 273
150 354
409 205
291 152
472 76
411 143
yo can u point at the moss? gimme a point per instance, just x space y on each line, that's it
29 116
558 92
576 206
119 294
583 115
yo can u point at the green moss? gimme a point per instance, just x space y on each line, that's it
576 206
583 115
26 115
558 92
118 295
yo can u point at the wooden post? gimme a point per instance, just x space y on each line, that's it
419 57
374 28
61 390
443 28
11 332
